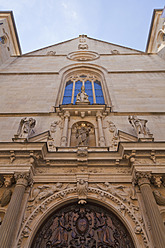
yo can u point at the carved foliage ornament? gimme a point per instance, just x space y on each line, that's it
83 227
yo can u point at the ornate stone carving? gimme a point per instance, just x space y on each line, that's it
160 199
83 226
122 192
42 192
82 190
140 126
83 47
52 131
23 178
94 192
157 181
6 197
82 151
115 137
8 179
115 52
51 53
25 129
82 134
142 177
82 97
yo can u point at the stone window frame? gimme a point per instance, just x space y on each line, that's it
84 77
75 70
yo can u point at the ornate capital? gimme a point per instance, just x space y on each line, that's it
98 115
142 177
66 114
23 178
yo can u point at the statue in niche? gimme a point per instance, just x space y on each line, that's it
82 134
140 126
25 128
82 97
160 200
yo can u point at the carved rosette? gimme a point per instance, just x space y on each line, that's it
23 178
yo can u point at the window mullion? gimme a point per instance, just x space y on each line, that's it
93 90
73 92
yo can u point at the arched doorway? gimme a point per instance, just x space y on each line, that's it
88 226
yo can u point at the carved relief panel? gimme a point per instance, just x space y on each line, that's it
88 226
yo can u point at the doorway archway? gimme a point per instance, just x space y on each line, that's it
88 226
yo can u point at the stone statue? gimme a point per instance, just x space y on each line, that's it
140 126
82 97
82 135
25 128
160 200
82 189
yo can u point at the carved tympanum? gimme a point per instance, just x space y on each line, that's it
87 226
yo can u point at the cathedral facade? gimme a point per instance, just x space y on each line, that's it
82 142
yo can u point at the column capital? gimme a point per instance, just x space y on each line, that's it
98 114
142 177
66 114
23 178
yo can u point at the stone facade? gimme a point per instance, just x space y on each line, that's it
82 174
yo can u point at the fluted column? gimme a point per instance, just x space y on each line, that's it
9 222
156 222
100 129
64 137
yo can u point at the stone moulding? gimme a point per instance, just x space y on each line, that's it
83 56
43 210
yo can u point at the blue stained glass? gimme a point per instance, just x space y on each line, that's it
78 86
98 93
68 93
88 90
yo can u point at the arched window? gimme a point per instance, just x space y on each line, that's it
92 88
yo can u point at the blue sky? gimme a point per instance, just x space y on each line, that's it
42 23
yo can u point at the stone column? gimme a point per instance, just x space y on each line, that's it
152 211
64 137
10 219
100 129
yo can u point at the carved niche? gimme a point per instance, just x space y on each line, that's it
88 226
83 134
